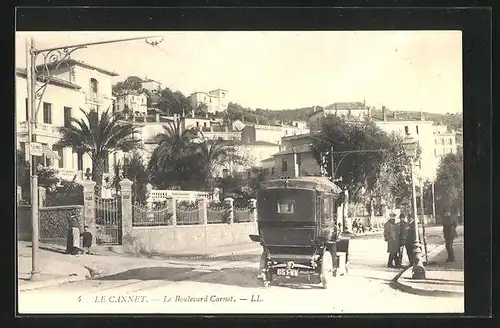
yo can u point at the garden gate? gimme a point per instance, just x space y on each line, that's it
108 220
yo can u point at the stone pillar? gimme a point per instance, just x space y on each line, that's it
230 202
253 209
202 210
172 206
126 202
42 197
89 207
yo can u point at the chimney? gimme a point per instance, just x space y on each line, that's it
384 114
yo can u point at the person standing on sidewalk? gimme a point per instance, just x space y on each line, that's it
86 240
449 233
391 236
406 240
75 234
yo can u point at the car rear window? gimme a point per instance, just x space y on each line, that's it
286 206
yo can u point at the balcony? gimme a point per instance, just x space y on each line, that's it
41 129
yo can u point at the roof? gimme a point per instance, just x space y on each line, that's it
295 150
318 183
346 106
260 143
74 62
54 80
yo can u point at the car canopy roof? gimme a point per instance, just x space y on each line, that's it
317 183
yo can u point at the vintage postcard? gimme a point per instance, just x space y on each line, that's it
239 172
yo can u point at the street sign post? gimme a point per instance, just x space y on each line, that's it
35 149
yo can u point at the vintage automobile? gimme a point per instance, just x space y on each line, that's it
298 229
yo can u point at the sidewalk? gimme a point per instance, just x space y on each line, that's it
442 278
54 269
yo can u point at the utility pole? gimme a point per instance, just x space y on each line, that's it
32 121
423 221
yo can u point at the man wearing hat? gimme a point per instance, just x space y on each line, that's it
391 235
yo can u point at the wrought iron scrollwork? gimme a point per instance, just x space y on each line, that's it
43 74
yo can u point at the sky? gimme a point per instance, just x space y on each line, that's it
402 70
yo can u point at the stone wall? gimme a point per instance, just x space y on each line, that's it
158 240
53 222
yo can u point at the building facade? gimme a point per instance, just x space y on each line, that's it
151 85
355 111
215 100
74 85
133 101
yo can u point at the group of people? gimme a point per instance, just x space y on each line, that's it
399 236
73 246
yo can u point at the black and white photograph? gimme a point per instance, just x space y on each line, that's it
173 171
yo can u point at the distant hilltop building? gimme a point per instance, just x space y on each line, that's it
151 85
215 100
352 111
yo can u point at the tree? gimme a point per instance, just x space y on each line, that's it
169 165
133 168
99 135
449 186
171 102
211 154
357 170
201 109
131 83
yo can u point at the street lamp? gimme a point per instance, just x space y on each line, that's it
50 56
410 145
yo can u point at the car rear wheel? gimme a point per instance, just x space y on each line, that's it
327 271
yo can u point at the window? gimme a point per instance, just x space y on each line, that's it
197 124
27 114
94 86
442 141
407 129
60 152
67 116
205 124
416 128
286 206
299 160
79 161
272 170
450 150
435 141
47 113
286 132
284 164
450 141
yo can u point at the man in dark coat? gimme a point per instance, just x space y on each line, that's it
391 236
449 233
406 239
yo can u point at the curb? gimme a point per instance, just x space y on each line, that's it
50 283
395 283
236 252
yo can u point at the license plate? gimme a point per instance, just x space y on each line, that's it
287 272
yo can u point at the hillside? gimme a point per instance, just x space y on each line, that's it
266 116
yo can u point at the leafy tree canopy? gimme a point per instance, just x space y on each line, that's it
131 83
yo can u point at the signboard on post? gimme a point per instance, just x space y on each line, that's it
35 149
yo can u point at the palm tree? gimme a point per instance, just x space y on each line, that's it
214 153
98 135
170 159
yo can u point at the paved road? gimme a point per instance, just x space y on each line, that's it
228 284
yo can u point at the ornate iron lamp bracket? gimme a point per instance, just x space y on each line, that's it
43 76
